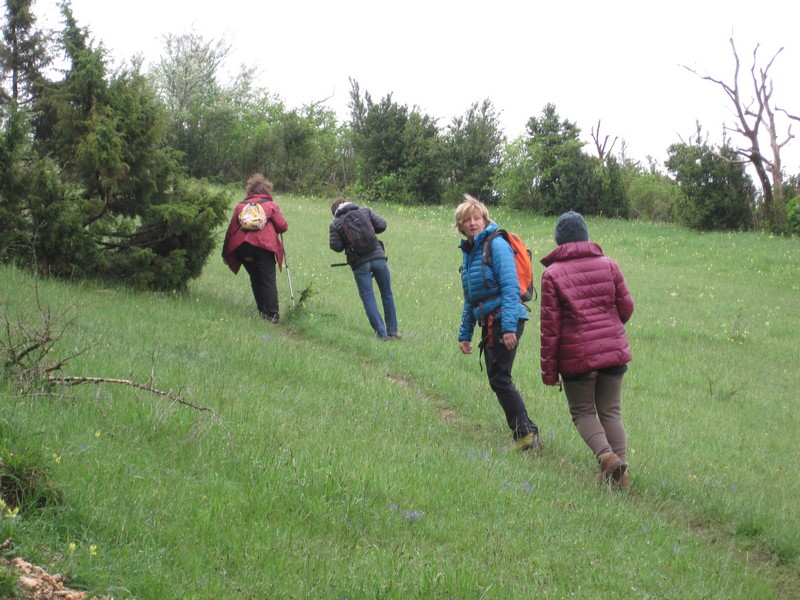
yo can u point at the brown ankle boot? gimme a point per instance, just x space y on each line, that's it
624 482
611 467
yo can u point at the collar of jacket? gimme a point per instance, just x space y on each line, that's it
346 208
572 250
259 197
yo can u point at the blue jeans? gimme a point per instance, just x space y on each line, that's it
379 269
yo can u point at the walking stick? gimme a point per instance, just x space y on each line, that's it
288 276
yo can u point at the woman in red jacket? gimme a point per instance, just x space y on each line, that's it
258 249
584 307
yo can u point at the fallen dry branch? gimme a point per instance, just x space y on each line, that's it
26 357
78 380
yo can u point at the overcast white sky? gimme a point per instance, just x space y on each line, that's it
619 62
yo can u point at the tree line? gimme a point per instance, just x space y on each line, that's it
104 170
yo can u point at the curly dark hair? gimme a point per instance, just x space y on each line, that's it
258 184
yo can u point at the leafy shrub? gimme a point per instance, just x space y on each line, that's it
514 178
390 188
792 205
652 197
718 192
613 200
160 246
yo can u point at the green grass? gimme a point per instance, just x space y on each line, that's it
345 467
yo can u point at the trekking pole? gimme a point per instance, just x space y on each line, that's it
288 275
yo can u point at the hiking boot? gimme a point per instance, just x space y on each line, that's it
271 317
624 482
611 467
527 443
394 336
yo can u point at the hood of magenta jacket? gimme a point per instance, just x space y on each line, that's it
572 250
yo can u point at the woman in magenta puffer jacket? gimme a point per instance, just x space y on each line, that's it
585 304
258 250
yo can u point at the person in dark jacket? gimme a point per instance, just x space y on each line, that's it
258 250
492 300
367 266
585 304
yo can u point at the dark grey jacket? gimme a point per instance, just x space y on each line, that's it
338 241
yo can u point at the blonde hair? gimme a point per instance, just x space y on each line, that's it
468 208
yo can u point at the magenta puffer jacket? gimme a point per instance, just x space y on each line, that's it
585 304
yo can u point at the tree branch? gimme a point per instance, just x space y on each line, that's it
789 115
78 380
602 152
26 349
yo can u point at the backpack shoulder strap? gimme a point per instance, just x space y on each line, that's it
486 253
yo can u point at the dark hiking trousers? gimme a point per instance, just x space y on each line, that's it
499 362
260 266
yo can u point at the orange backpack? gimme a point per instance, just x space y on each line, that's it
522 258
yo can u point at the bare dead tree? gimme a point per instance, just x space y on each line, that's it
752 115
602 150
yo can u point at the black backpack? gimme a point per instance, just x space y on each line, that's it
359 232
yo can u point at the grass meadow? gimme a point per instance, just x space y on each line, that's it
339 466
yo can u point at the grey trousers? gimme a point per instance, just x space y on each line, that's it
595 405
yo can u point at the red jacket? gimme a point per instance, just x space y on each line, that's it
266 239
584 306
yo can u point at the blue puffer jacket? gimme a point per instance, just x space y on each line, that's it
487 289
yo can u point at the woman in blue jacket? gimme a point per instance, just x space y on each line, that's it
492 300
